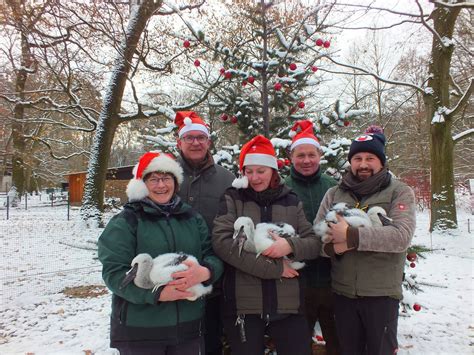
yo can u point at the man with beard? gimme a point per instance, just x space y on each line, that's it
368 262
203 184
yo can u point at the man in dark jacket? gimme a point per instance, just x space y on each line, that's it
204 183
310 184
368 262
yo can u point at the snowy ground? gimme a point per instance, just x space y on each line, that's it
43 253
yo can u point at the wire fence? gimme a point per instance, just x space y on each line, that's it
9 204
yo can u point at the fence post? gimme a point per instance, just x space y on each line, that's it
26 200
52 197
8 206
68 204
469 226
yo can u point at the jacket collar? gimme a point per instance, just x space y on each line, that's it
300 177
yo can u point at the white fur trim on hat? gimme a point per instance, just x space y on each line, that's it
193 127
305 141
260 159
136 188
241 183
292 134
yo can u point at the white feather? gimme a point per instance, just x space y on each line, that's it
259 239
153 273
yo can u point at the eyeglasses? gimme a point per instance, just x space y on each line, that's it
191 139
156 180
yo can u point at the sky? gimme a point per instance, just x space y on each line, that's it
43 254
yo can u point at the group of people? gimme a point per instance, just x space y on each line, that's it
351 285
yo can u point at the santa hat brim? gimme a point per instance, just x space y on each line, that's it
305 141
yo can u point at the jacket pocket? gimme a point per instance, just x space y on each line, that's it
121 310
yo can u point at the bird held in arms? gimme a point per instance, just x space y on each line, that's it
150 273
375 216
256 239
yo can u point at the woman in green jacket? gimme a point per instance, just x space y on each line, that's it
155 221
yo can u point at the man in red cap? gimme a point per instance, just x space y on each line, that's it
204 183
310 184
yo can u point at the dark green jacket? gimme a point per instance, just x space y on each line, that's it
141 227
311 190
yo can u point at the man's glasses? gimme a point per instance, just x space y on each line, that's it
191 139
156 180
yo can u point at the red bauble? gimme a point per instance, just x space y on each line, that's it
416 307
319 338
412 265
197 63
251 79
280 163
224 117
287 162
301 104
326 44
222 71
186 44
228 75
411 256
277 86
234 119
319 42
314 69
244 82
293 66
347 123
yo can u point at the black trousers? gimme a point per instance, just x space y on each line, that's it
214 327
367 325
192 347
290 335
319 306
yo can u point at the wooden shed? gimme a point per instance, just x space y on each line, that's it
115 184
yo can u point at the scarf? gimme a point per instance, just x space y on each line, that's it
359 188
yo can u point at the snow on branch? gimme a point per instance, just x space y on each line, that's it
464 4
467 133
443 41
463 100
366 72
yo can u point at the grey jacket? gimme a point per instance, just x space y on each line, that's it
376 267
202 189
253 285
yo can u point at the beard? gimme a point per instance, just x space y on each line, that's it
364 174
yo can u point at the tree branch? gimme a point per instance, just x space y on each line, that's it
463 100
436 34
366 72
460 136
450 5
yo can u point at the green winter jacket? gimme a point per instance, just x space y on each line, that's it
142 227
311 190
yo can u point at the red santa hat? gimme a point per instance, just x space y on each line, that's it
190 121
258 151
302 133
148 163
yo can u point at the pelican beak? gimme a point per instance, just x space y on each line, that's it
129 276
239 239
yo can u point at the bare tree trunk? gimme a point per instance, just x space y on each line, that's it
265 110
18 139
443 208
92 205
